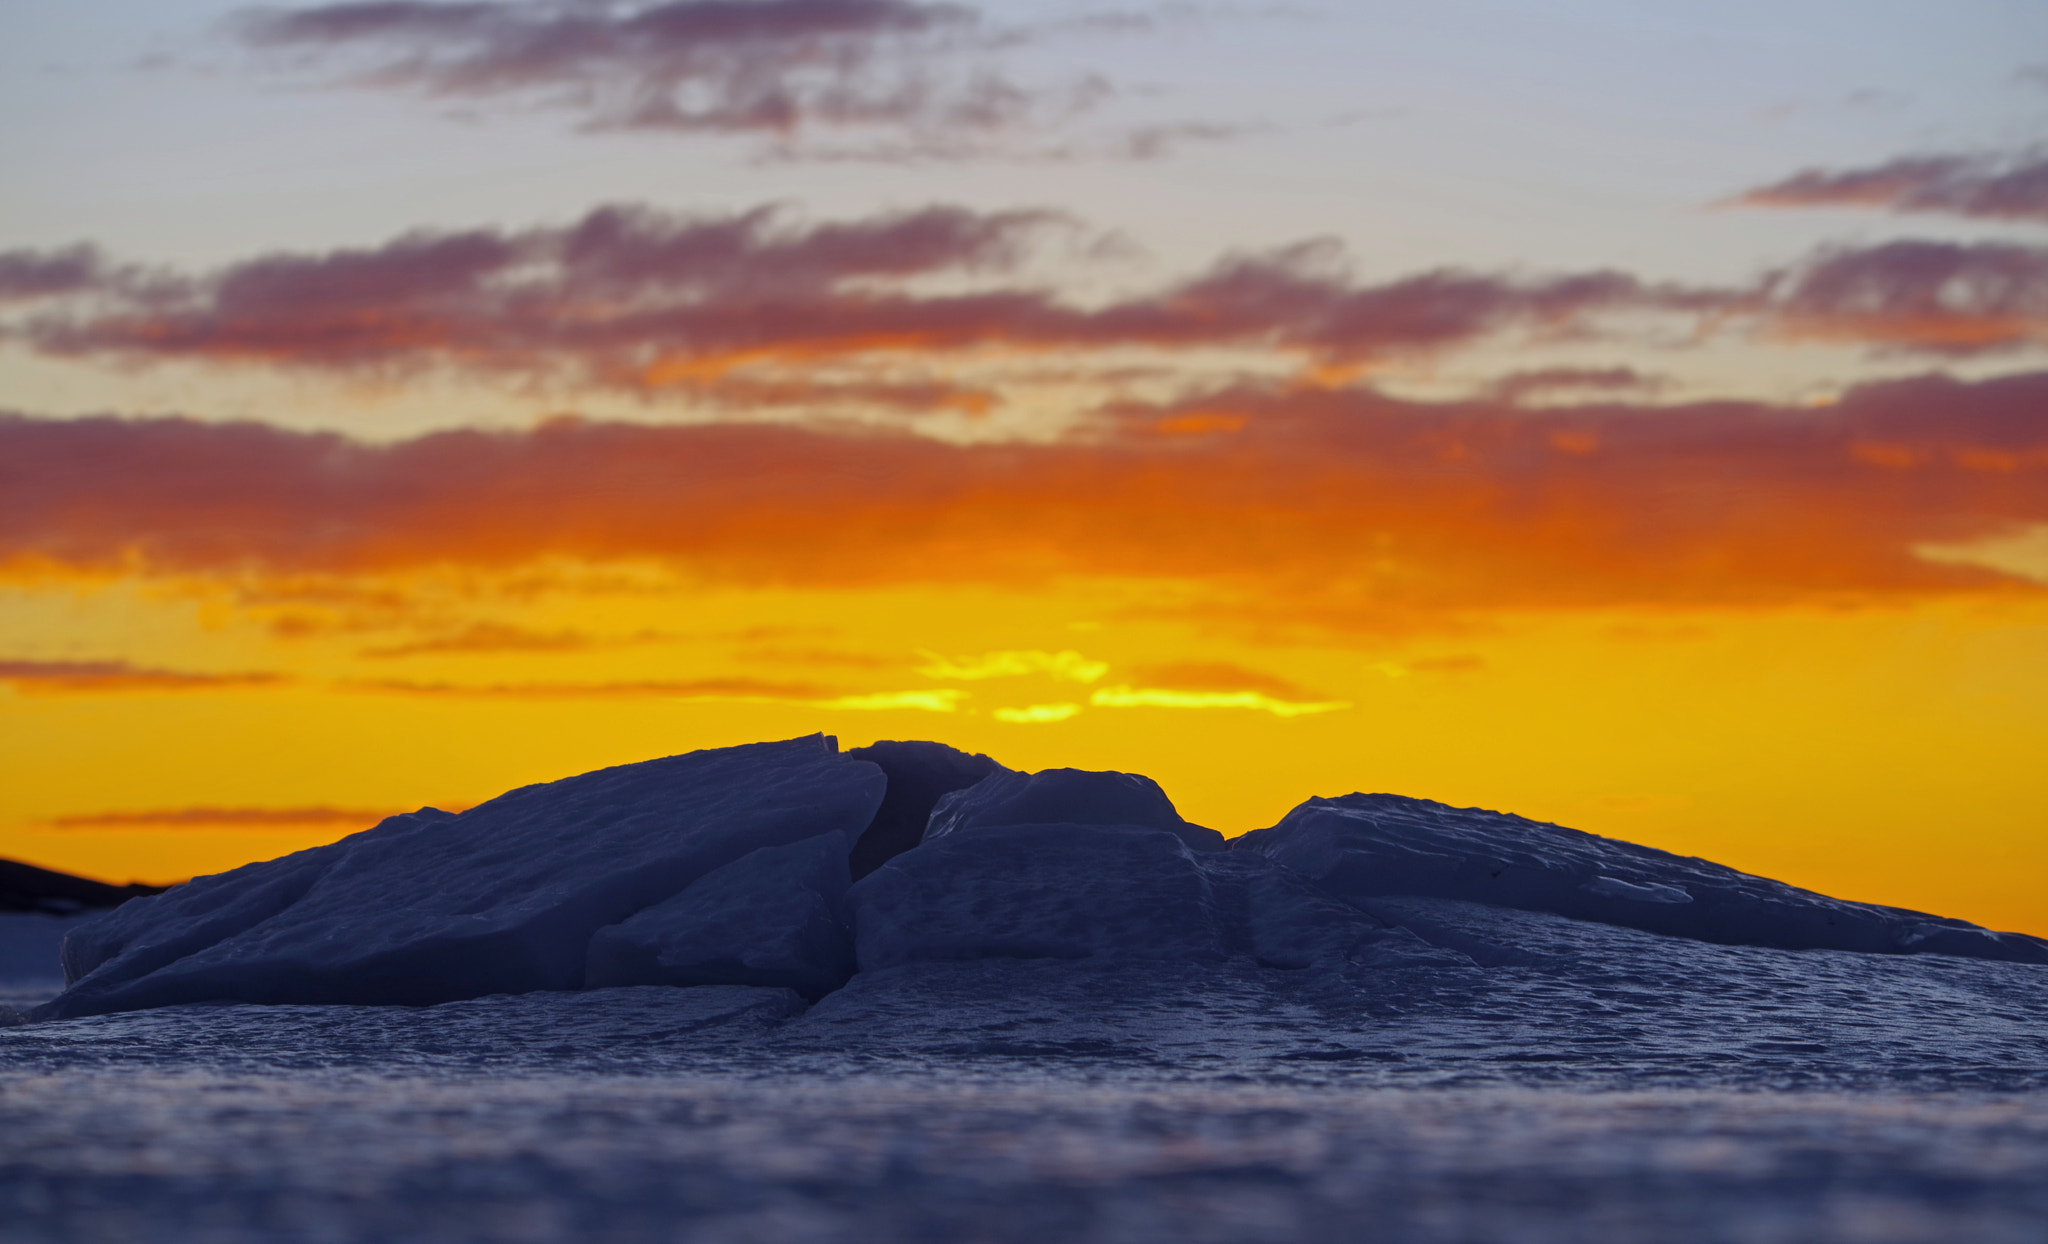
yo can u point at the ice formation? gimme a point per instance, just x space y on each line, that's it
1362 846
791 865
1066 797
772 917
504 898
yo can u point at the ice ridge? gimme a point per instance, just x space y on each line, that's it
793 865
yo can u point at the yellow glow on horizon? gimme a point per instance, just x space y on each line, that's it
1883 754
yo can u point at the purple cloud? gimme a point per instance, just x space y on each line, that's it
1986 187
782 69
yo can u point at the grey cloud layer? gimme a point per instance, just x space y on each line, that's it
921 71
633 299
1987 187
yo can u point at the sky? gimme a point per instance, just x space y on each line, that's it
1632 417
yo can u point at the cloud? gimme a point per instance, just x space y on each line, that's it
1549 383
1036 714
1160 697
29 274
894 313
829 658
626 296
1014 663
941 700
89 677
224 818
495 637
1986 187
1929 297
631 299
1217 676
1339 506
676 689
489 637
781 69
729 690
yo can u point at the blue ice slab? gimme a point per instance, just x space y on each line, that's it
770 918
920 774
1081 891
1361 846
1066 797
503 898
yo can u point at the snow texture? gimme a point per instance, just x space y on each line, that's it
504 898
1569 1083
1361 846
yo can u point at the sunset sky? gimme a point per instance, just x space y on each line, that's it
1630 416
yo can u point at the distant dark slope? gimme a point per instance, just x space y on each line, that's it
24 887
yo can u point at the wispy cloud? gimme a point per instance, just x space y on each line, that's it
1217 676
207 817
894 313
28 275
1983 186
1572 383
928 78
1163 697
708 690
1926 297
89 677
680 689
938 700
1036 714
496 637
1014 663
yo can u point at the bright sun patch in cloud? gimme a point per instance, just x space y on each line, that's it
1160 697
1065 664
1037 713
2022 553
941 700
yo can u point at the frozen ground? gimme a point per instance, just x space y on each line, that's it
1594 1084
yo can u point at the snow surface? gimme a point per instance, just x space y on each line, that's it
1607 1085
1073 1019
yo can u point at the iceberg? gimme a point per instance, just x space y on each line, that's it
1360 847
919 774
1066 797
770 918
792 866
430 907
1076 891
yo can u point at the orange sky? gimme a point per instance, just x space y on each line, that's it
1788 639
1619 420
